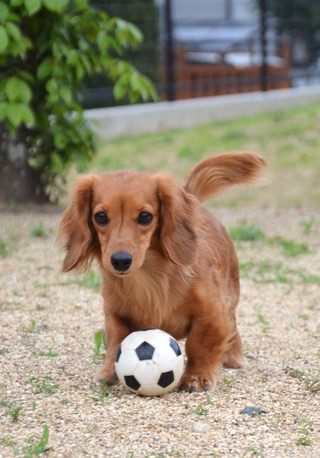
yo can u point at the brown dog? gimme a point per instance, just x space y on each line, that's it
166 262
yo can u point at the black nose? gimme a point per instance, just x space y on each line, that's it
121 261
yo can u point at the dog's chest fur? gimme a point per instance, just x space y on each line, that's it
149 298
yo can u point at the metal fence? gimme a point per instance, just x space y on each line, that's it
216 47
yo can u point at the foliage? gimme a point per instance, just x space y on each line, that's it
144 14
47 48
300 19
37 446
246 232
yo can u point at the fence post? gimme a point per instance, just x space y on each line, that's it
263 44
169 57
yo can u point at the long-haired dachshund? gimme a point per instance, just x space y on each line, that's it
166 262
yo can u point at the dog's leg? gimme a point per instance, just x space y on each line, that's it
116 330
206 346
233 357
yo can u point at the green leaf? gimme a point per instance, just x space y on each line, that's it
57 162
13 31
52 86
55 6
4 11
3 110
26 76
25 92
45 68
72 57
17 90
60 140
16 2
14 113
27 116
32 6
135 82
120 89
127 33
4 40
66 94
11 89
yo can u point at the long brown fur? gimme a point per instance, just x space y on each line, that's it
184 275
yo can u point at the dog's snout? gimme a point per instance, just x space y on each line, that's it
121 261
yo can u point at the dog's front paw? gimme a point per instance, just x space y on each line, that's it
107 376
192 383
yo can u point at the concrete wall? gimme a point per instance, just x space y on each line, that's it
211 10
132 120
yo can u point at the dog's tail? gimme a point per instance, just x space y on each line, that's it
213 175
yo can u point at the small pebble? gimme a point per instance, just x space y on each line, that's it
201 427
253 411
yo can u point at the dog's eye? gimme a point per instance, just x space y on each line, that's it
144 218
101 218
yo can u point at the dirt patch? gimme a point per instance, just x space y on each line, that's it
48 398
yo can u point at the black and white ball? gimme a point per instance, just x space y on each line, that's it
149 362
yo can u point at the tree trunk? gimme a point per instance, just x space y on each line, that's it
19 183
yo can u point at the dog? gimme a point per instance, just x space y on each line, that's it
166 262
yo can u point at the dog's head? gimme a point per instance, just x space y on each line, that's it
119 216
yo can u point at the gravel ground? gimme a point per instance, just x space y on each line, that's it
48 321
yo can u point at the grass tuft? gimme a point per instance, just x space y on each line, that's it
37 446
4 248
308 225
99 347
200 410
13 410
44 385
38 230
91 281
246 233
291 248
266 271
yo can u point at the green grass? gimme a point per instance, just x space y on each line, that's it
312 382
291 248
37 446
261 319
34 327
245 232
45 385
8 243
38 230
265 271
200 410
34 446
308 225
101 392
305 427
49 353
4 248
289 140
252 451
91 281
99 348
12 411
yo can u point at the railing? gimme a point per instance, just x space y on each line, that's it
212 51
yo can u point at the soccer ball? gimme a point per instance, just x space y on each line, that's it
149 362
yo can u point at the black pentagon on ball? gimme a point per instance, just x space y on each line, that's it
175 346
118 354
166 378
145 351
132 382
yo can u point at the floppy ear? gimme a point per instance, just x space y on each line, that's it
179 219
76 228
